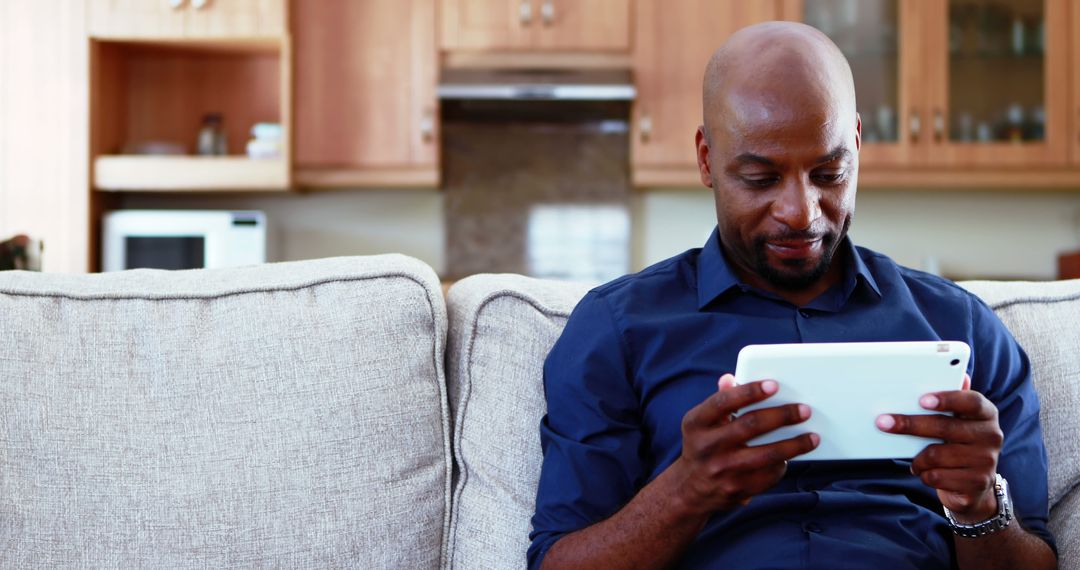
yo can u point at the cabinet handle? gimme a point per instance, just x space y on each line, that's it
939 126
525 12
176 4
547 12
200 4
645 127
915 125
427 126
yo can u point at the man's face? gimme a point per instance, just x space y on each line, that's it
783 170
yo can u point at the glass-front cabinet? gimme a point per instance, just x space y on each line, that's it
998 93
869 32
954 83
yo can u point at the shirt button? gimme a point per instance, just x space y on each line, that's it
804 313
813 527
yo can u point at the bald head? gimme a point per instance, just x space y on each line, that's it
777 68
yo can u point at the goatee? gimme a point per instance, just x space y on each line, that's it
797 274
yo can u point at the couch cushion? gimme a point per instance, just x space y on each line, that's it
1045 319
283 415
501 329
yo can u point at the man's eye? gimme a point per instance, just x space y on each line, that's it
828 177
760 182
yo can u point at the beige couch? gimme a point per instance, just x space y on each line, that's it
298 415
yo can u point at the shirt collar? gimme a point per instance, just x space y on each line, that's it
715 277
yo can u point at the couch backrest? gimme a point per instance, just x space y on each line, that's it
1045 319
285 415
503 326
501 329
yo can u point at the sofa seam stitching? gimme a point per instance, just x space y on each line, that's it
193 297
1034 301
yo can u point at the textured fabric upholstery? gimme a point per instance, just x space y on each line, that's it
1045 319
287 415
501 328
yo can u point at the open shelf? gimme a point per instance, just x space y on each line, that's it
157 92
185 173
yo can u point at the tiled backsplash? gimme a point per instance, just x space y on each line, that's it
545 193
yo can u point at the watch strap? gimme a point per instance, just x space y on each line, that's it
991 525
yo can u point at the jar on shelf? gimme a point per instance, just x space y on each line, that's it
212 140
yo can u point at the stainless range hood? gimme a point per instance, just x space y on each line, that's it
540 85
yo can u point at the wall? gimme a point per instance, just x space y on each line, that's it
967 234
43 133
971 234
332 223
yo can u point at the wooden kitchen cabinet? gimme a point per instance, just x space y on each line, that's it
154 93
883 41
672 44
952 93
536 25
366 110
998 83
160 19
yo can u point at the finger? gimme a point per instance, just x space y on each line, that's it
967 382
739 463
967 482
759 422
951 456
726 381
967 404
718 407
759 457
747 485
936 426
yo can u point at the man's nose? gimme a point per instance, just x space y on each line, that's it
798 205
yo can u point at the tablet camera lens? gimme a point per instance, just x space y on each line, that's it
955 361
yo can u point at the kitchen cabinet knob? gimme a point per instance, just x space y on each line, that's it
939 126
427 126
200 4
176 4
547 12
915 125
525 12
645 128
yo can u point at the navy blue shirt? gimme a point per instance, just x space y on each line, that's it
641 351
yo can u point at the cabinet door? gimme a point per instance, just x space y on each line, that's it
365 84
673 42
137 18
577 25
169 19
999 91
236 18
488 24
882 41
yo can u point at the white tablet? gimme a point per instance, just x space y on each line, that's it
848 385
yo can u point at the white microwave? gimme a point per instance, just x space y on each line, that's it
182 239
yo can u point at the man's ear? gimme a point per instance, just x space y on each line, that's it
858 132
704 169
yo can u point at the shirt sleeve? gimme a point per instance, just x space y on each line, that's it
1002 373
591 435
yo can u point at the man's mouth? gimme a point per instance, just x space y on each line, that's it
795 248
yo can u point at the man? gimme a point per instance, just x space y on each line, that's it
644 465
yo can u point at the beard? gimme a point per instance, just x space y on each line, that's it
797 274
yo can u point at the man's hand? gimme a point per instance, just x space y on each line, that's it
718 470
962 467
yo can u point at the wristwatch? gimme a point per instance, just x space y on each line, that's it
991 525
